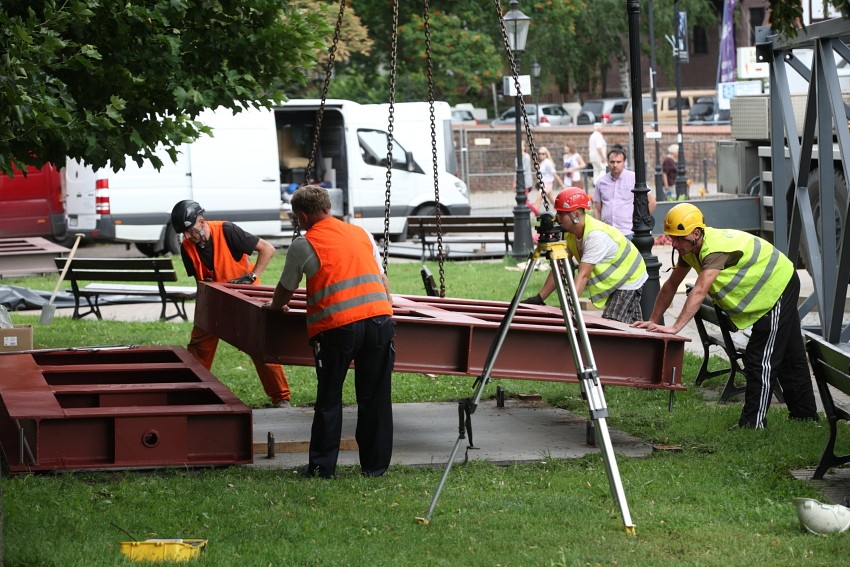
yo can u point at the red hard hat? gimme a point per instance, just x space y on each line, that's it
570 199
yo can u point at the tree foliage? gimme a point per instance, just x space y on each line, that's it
464 62
468 55
105 79
786 15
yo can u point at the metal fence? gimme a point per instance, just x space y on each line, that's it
487 162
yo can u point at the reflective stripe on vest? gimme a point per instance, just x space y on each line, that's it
607 277
225 268
348 286
749 289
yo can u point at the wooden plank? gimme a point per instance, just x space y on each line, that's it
345 444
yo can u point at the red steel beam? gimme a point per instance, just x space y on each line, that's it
134 408
453 336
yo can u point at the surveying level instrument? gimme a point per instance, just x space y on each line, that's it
552 246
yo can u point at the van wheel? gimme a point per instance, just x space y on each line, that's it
840 206
149 249
172 241
66 240
429 211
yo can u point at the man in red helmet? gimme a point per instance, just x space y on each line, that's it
610 267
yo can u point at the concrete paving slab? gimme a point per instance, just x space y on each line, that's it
425 433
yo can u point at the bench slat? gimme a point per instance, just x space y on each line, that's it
113 276
459 219
149 264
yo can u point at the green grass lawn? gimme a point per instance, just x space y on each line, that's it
725 499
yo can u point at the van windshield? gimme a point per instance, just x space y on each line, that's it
373 149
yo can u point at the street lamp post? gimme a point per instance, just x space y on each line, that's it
681 180
659 180
535 72
642 220
516 26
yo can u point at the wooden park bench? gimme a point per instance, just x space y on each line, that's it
831 367
710 314
104 272
472 230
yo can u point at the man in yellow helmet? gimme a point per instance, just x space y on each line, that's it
756 285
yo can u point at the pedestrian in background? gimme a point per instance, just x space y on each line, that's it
670 169
597 152
614 201
548 174
220 251
349 318
573 166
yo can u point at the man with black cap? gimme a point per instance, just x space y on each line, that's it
220 251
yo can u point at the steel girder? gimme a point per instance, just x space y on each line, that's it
452 336
118 408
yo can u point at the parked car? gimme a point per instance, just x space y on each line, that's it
707 111
463 117
668 105
540 115
604 110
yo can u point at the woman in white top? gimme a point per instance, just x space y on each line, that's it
549 175
573 166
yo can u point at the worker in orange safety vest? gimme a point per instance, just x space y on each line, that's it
220 251
349 318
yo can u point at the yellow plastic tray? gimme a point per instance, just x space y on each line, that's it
163 549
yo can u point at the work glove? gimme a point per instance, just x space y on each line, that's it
246 279
535 300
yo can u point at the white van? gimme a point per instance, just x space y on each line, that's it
240 173
233 174
352 156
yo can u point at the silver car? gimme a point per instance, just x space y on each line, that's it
539 115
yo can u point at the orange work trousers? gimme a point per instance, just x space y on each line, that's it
203 345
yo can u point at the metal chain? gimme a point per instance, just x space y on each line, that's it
529 138
390 138
429 66
321 113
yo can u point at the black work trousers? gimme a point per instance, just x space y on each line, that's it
776 348
369 343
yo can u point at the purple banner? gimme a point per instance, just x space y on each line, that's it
727 43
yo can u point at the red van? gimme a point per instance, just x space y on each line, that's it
33 205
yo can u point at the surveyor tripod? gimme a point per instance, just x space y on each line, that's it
551 246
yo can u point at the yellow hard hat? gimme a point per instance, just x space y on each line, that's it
682 220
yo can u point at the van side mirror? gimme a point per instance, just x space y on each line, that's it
409 161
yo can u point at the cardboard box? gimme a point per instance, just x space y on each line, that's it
16 339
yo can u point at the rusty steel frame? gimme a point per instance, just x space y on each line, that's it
452 336
28 255
132 408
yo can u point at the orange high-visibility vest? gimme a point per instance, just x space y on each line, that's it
225 268
348 286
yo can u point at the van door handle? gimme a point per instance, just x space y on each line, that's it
367 178
269 180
